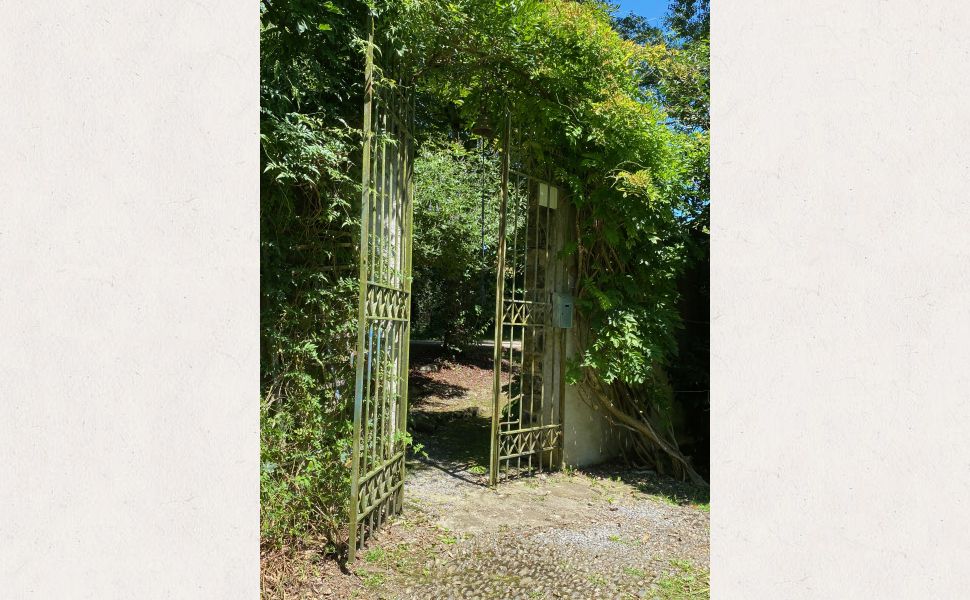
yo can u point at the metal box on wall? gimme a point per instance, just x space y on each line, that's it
562 310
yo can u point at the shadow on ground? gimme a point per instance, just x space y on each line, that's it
448 398
683 493
458 446
423 386
450 419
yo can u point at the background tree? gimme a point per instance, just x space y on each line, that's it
677 74
455 234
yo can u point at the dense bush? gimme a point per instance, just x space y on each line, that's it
310 94
676 72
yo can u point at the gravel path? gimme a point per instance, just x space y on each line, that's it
600 533
558 536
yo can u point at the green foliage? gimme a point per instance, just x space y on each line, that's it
570 82
676 72
690 19
310 74
308 322
454 279
623 126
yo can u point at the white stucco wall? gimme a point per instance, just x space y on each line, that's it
588 438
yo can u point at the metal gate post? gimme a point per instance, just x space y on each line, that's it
362 298
499 301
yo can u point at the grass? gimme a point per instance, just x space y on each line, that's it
372 579
668 491
374 555
399 558
701 504
686 583
632 572
386 564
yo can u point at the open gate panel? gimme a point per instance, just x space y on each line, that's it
527 387
380 400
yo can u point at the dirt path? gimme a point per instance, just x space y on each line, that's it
599 533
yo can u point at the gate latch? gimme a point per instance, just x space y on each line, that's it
562 310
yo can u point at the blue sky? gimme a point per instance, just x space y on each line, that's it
650 9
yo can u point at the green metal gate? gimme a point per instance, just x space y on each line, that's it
380 400
528 390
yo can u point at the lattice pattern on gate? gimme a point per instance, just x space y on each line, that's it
380 401
527 386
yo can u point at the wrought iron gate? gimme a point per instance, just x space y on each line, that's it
528 391
380 400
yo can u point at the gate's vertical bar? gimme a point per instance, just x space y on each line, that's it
548 335
561 353
362 300
499 301
562 399
408 225
528 333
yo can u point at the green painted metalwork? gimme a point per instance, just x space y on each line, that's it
528 385
384 309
